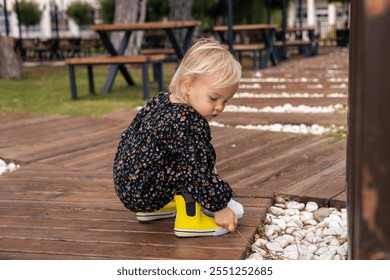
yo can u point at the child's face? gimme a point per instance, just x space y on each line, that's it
208 101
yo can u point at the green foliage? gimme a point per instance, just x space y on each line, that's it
207 12
107 10
29 12
157 10
81 12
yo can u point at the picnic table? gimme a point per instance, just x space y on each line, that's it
265 34
104 31
293 36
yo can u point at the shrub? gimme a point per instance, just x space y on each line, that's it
29 13
81 12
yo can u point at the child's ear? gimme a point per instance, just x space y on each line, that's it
185 85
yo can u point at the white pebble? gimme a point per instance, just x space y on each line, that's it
291 252
329 255
284 240
343 249
276 210
292 212
274 246
311 206
255 256
292 205
305 216
333 231
271 230
280 223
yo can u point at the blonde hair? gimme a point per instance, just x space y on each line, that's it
206 57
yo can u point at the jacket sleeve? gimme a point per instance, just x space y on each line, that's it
190 147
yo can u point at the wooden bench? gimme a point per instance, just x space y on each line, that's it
143 60
170 55
294 38
254 49
305 47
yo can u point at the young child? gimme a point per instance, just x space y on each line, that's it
166 150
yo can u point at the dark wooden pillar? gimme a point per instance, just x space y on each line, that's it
368 155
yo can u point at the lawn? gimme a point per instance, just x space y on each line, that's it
45 89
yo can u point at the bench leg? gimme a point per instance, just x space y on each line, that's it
72 80
254 60
145 80
90 80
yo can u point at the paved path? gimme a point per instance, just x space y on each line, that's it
61 203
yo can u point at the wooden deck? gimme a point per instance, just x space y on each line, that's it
61 203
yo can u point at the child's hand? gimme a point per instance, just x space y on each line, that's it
226 219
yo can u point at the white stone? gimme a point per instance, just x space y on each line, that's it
274 246
311 206
343 249
280 205
301 206
284 240
311 248
311 222
280 223
286 218
311 237
322 225
291 252
276 210
334 242
292 212
298 222
333 231
261 241
299 234
305 216
3 169
292 204
270 230
334 224
329 255
344 223
321 251
333 217
305 256
255 256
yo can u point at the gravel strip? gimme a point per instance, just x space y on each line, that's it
298 231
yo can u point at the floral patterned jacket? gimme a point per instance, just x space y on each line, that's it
165 150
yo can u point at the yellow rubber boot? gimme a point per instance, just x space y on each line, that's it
194 224
168 211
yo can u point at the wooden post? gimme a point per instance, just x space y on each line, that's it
368 152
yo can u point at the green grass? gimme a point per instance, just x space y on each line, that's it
46 90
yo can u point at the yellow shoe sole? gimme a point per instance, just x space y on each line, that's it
168 211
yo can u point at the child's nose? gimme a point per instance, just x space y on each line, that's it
219 107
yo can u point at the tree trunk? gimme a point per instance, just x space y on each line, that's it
180 10
10 63
129 11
